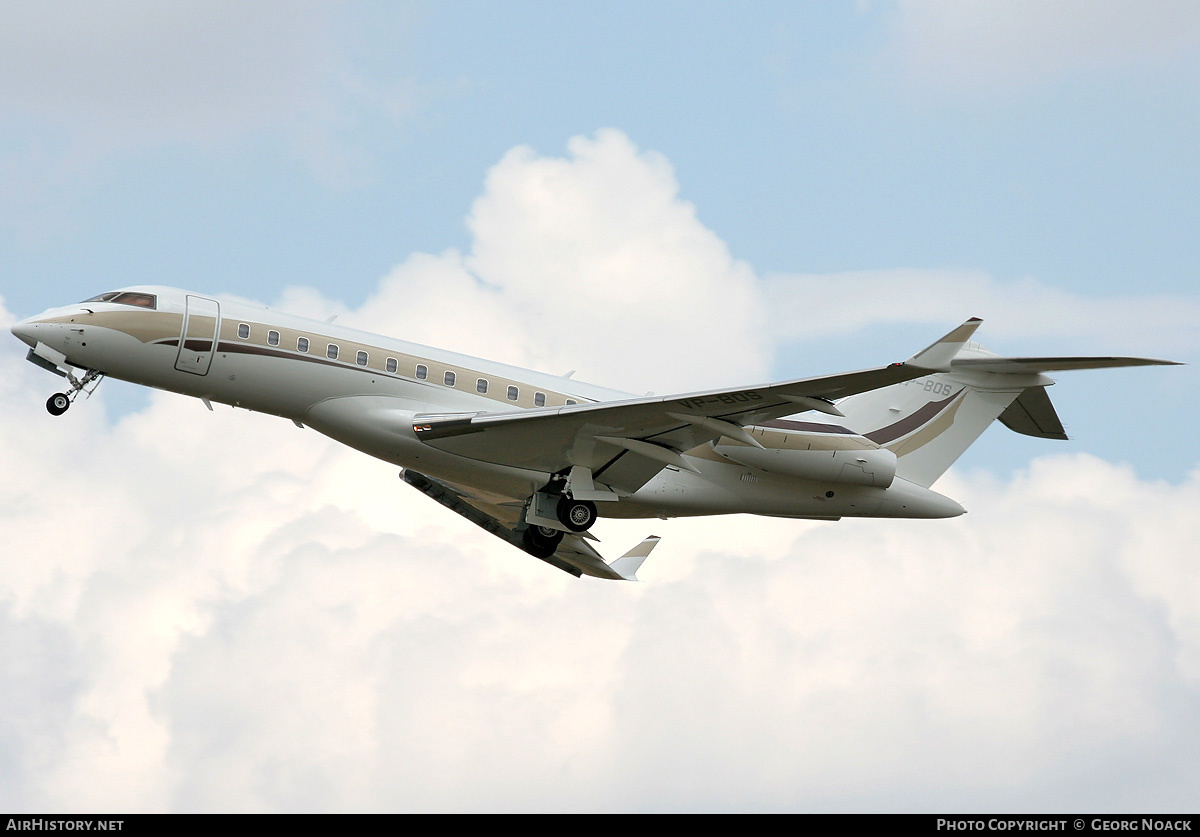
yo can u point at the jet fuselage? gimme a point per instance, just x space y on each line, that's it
364 390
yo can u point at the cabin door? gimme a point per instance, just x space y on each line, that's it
198 340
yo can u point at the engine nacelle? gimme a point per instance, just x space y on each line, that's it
873 467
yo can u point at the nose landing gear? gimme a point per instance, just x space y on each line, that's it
58 403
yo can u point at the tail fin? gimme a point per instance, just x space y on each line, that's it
929 422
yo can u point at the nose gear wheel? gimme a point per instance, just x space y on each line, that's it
58 403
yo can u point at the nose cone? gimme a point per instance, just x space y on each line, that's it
24 331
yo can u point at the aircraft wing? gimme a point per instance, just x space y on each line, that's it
500 517
625 443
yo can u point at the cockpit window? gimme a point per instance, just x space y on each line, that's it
136 298
139 299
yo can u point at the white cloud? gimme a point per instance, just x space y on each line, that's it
592 259
216 611
1006 47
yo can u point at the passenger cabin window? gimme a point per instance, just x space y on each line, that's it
272 338
422 371
331 351
572 401
513 392
361 359
481 385
391 364
302 344
243 331
539 399
448 378
136 298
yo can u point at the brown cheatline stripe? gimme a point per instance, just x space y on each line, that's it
928 433
910 423
251 349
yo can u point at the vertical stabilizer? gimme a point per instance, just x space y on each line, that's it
929 422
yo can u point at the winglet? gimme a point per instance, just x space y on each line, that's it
938 355
628 564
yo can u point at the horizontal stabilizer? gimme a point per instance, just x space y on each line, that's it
1032 414
1034 365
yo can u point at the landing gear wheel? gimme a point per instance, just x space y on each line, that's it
58 403
541 541
576 515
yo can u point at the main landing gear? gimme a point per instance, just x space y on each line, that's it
550 516
576 515
58 403
542 541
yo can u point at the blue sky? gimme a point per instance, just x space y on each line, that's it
806 136
318 145
661 195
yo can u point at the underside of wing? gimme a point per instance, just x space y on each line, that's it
504 520
624 444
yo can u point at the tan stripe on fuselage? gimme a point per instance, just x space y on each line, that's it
144 326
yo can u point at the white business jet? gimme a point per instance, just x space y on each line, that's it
536 458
